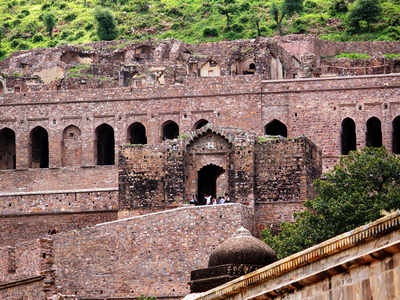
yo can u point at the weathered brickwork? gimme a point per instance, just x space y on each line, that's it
146 255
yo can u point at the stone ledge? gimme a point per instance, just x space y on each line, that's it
59 192
11 284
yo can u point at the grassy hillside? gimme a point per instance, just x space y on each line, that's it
192 21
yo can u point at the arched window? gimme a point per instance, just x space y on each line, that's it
72 146
7 149
137 134
276 127
105 145
170 130
396 135
200 123
348 136
374 133
39 148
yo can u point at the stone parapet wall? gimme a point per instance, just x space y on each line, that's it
23 182
18 228
147 255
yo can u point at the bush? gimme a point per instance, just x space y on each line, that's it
237 28
37 38
70 17
353 55
367 11
106 28
49 21
338 7
210 32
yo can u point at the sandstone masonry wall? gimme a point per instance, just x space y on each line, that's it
147 255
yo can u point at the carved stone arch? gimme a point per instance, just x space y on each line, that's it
105 145
206 130
374 132
207 148
71 146
7 149
200 123
39 148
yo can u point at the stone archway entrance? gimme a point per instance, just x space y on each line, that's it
207 181
207 161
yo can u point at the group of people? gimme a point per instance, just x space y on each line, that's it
208 199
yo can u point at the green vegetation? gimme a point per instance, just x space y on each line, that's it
106 28
392 56
353 56
356 192
77 71
26 24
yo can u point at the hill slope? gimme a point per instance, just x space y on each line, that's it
22 27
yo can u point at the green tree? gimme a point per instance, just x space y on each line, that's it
227 8
356 192
363 11
106 27
49 21
285 9
257 14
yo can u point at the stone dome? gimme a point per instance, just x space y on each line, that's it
242 248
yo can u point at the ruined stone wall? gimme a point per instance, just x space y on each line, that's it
21 261
15 228
151 176
129 257
284 173
24 290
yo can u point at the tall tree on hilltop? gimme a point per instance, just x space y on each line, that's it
367 11
227 8
356 192
285 9
49 21
106 27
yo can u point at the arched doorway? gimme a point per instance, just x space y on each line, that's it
374 133
7 149
348 136
200 123
72 146
105 145
39 148
207 181
396 135
276 127
137 134
170 130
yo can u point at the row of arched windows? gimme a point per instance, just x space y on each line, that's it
72 145
373 135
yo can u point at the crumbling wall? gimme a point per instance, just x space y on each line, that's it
285 171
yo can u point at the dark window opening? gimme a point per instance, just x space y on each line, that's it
1 88
105 145
396 135
7 149
207 181
276 127
348 136
170 130
39 148
200 124
374 132
137 134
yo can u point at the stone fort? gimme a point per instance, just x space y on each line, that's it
103 145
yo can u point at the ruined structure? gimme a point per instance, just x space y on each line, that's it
102 144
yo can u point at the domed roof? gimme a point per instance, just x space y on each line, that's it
242 248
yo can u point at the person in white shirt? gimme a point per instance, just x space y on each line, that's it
208 199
